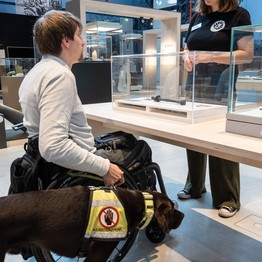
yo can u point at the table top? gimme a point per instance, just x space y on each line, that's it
208 137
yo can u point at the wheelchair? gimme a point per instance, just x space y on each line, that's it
147 176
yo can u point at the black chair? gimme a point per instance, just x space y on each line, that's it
2 132
93 81
15 117
12 115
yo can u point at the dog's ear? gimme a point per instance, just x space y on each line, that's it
162 215
178 217
166 213
168 217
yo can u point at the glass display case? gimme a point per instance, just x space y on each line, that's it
14 66
12 75
245 101
98 40
158 85
99 48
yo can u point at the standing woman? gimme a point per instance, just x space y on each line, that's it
210 30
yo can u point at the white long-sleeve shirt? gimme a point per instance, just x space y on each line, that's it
52 109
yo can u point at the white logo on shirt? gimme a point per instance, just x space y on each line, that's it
217 26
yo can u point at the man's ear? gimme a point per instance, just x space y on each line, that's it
65 41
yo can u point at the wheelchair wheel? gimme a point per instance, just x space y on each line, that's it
154 233
42 255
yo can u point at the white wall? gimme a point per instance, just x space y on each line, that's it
254 7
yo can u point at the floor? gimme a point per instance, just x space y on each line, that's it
203 236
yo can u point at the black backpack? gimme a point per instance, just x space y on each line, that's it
139 156
31 172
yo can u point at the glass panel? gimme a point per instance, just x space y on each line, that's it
126 33
245 104
99 48
158 85
16 66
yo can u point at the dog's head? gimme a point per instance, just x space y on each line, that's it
166 213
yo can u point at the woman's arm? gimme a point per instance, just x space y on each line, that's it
244 54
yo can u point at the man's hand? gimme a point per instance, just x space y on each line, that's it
114 176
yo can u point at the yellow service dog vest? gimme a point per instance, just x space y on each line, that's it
107 219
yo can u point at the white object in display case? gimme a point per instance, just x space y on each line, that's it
99 48
244 115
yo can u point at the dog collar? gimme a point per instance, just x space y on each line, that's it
149 210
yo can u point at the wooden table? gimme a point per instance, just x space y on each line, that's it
208 137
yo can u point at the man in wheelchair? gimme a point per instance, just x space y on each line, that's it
60 140
50 103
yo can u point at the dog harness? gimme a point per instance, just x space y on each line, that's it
107 218
149 210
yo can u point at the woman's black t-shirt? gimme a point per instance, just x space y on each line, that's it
212 32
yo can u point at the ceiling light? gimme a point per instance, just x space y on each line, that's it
131 36
172 2
100 26
151 21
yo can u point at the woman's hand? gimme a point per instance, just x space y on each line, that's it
191 58
187 63
114 176
200 57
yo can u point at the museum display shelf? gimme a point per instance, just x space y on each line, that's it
245 107
185 113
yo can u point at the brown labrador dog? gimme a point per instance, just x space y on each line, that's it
56 220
